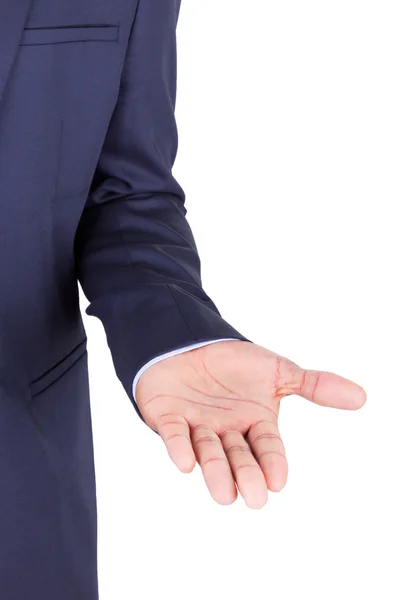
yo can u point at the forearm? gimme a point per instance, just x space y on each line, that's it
136 256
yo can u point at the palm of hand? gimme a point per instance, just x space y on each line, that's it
219 405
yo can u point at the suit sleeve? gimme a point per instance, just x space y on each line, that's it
136 258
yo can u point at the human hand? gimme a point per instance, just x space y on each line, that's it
219 405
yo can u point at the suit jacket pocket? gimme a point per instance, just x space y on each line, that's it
71 33
59 369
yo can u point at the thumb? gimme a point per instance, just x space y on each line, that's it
324 388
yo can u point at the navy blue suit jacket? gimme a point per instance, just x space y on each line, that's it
87 143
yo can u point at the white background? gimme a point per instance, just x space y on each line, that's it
289 153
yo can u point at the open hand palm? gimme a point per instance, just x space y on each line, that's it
219 405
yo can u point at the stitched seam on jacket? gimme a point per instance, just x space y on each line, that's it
180 312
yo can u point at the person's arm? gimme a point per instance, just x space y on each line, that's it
138 265
136 257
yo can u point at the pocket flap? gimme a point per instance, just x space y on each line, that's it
70 33
57 370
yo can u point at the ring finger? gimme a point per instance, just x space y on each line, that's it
214 464
247 472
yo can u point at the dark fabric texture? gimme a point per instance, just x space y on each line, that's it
87 143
